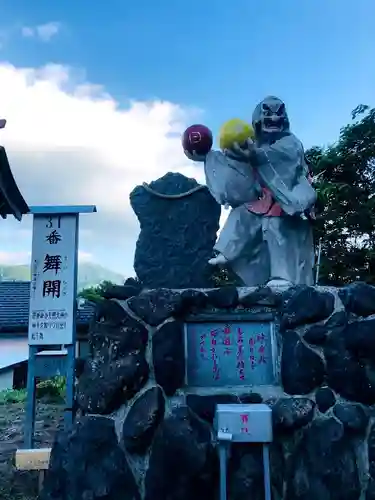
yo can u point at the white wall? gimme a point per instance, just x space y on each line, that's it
6 379
13 349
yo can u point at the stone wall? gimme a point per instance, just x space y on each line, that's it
140 434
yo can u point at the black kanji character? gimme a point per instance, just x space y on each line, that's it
51 288
53 238
52 263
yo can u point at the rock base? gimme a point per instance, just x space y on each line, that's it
142 434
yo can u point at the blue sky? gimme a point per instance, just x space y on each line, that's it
316 55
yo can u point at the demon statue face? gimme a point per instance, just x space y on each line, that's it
270 117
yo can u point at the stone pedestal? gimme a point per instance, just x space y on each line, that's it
144 434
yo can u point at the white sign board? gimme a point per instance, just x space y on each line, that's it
246 423
53 279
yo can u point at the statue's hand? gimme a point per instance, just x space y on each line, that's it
194 156
242 151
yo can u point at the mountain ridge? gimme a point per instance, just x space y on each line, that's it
89 274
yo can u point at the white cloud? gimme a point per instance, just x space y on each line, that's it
14 258
70 142
43 31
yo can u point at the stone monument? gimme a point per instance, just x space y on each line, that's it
164 355
179 220
143 432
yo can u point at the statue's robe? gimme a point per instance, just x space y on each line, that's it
265 237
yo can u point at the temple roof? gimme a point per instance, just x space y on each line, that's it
11 199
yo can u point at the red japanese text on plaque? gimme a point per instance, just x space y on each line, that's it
229 354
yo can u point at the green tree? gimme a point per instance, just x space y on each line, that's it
95 293
346 201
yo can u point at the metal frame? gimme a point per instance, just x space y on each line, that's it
234 318
64 357
62 210
251 317
228 437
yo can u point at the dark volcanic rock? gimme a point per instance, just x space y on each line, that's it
120 292
177 235
262 296
324 464
111 312
87 463
302 370
325 399
168 354
346 374
134 282
155 306
360 337
193 301
110 342
352 415
358 298
246 474
292 413
370 492
277 463
142 420
104 388
204 406
79 367
371 450
223 298
182 461
251 398
305 305
337 322
316 335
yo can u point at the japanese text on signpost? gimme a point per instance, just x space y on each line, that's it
53 280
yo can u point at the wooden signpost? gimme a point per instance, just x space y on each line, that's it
53 310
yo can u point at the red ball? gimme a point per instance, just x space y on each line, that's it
197 138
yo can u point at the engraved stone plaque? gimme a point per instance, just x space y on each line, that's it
236 353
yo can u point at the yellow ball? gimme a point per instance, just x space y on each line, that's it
235 130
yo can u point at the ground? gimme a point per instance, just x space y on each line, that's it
17 485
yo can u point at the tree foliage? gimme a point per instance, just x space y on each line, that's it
346 215
95 293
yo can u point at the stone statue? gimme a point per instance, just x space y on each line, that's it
267 238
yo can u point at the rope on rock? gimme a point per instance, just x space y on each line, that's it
172 196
